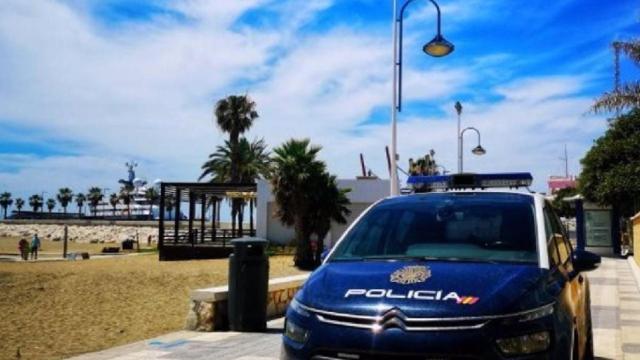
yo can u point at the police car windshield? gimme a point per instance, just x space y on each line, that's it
486 227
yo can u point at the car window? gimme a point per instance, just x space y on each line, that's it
461 226
559 244
552 246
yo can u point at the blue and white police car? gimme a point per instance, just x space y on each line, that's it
476 267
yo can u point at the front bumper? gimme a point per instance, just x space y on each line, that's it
332 341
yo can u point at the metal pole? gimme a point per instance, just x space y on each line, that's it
394 109
176 219
203 210
161 219
458 108
66 237
460 161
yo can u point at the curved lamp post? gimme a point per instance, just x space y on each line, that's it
437 47
478 150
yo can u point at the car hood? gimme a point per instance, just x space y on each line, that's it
451 289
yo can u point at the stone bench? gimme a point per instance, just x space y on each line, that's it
208 307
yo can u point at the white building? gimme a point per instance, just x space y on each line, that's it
364 192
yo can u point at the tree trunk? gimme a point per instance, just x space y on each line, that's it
240 216
304 255
319 249
233 219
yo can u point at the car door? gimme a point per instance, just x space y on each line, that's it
573 293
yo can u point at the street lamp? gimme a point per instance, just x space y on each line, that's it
478 150
437 47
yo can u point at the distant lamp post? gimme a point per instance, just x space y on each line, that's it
478 150
437 47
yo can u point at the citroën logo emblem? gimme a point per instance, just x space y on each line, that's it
411 275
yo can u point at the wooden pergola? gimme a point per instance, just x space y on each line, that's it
199 240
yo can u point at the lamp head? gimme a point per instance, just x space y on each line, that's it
479 150
438 47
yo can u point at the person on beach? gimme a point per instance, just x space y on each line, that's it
35 246
23 247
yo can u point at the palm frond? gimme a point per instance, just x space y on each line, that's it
627 97
631 49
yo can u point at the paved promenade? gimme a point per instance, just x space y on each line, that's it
615 297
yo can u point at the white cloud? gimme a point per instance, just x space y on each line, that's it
146 91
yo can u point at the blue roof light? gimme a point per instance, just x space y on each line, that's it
470 181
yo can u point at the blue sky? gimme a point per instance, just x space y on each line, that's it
86 85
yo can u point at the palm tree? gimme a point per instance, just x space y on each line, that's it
624 96
19 205
51 203
330 204
152 197
95 196
125 195
5 202
114 200
235 114
295 173
251 161
65 196
80 199
35 201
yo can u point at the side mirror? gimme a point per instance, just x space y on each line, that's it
585 261
324 254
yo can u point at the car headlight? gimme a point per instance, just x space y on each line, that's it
525 344
294 332
298 308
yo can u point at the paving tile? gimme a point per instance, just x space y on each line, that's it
607 344
630 322
604 295
628 288
602 281
630 334
630 305
631 348
605 317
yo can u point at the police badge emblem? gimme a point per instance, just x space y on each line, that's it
411 275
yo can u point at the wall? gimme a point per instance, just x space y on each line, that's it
364 192
208 307
636 237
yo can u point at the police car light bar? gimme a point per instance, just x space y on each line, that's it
465 181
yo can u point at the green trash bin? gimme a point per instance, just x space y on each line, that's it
248 285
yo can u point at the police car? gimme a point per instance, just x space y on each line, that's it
475 267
